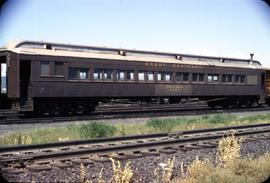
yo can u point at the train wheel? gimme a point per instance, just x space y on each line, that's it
57 109
78 108
91 107
211 104
249 103
259 103
45 108
267 100
225 106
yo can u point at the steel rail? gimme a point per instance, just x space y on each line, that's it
126 147
128 114
126 138
104 114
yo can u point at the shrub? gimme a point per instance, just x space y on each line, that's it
228 150
121 175
198 170
95 130
231 167
163 173
242 170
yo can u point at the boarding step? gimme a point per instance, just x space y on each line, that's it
9 114
26 108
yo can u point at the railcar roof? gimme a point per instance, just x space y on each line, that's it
67 50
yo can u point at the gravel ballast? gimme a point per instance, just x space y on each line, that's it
143 167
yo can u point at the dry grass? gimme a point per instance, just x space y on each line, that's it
246 170
82 178
82 173
230 167
100 176
121 175
228 150
163 173
197 170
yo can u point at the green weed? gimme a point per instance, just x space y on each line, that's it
99 129
256 118
96 130
220 118
162 125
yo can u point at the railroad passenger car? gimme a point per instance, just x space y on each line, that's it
58 78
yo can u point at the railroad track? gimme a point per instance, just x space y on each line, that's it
133 112
41 157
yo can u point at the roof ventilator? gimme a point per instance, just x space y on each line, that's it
47 46
222 60
251 59
122 52
178 57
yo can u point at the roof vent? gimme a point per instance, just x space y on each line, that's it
251 58
122 52
178 57
222 60
47 46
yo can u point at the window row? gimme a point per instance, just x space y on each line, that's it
228 78
122 75
45 68
107 74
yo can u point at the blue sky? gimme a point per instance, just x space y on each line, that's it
229 28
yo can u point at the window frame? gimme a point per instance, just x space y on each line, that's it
3 86
49 68
87 73
161 76
195 77
151 73
78 73
203 76
118 75
231 78
54 69
141 72
178 79
170 74
99 73
236 78
213 81
243 81
224 78
184 79
228 78
130 75
107 71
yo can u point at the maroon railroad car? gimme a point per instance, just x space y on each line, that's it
56 78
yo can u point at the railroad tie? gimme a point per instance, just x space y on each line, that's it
39 168
12 170
61 164
99 158
79 161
